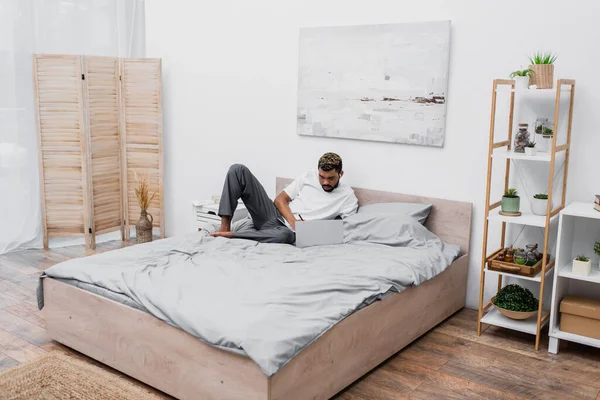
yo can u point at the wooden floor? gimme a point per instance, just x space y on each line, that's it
450 362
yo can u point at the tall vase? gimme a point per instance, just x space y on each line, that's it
143 228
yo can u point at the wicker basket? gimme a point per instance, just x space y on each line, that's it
543 76
143 228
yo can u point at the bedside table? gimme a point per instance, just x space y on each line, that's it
206 214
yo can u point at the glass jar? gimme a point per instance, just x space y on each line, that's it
520 257
531 254
543 131
521 138
509 256
540 125
533 249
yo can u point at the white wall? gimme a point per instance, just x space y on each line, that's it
230 82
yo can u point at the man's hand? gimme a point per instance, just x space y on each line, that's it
226 234
282 204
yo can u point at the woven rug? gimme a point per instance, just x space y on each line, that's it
58 375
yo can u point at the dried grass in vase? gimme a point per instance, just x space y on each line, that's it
142 192
143 228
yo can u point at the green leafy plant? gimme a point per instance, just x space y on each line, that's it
516 298
540 196
597 248
530 144
542 58
548 131
523 72
512 193
582 257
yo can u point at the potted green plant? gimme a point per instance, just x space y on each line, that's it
511 202
539 204
582 265
542 65
530 149
521 78
516 302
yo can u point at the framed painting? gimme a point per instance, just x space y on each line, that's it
384 83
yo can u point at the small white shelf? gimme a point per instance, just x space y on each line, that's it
526 218
537 278
571 337
494 317
567 272
585 210
504 154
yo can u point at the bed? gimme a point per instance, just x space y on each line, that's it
175 362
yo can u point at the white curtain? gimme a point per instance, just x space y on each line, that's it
90 27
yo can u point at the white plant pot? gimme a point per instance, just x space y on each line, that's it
521 82
539 206
582 268
530 151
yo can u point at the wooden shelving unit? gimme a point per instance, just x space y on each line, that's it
502 150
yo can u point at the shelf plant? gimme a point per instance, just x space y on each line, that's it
539 204
511 202
542 64
582 265
521 78
516 298
530 149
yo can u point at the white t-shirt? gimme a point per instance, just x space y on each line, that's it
310 201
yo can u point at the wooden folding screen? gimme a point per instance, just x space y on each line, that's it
142 135
99 121
62 146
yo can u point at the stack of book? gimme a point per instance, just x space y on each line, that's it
597 203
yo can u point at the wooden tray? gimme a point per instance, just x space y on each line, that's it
512 268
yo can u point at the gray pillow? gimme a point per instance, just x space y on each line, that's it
418 211
389 229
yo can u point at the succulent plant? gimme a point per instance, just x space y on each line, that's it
582 257
530 144
511 193
523 72
541 196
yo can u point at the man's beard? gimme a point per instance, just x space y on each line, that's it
330 188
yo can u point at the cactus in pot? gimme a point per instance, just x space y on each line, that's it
539 204
511 202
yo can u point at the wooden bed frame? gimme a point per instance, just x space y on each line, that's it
171 360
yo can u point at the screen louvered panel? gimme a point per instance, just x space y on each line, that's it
62 150
101 88
141 124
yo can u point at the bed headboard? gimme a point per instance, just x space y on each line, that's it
449 220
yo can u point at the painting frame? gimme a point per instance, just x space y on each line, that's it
382 82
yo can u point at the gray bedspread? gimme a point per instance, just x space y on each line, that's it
269 300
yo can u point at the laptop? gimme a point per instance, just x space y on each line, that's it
319 232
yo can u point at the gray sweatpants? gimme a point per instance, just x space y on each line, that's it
265 225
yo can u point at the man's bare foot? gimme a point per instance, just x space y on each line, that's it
225 234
